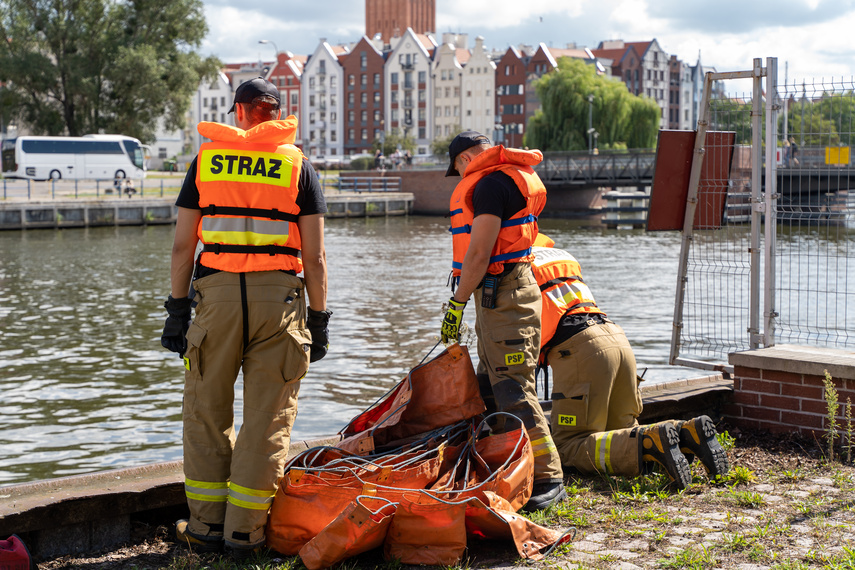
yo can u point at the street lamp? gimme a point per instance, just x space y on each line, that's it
590 123
274 47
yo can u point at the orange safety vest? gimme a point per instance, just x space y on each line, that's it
559 276
516 234
247 183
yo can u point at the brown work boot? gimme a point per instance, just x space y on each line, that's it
195 542
698 439
660 443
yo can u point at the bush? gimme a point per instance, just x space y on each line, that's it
362 163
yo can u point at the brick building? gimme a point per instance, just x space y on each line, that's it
391 18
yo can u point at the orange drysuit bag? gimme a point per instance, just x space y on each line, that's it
427 530
435 394
502 463
356 530
492 517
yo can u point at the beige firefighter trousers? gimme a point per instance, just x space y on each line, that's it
596 401
508 347
254 322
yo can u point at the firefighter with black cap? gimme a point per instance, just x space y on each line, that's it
494 211
254 202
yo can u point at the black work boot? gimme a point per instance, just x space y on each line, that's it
698 439
660 443
545 495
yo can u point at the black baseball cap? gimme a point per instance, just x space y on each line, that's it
463 141
249 90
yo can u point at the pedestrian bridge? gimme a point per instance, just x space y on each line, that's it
613 169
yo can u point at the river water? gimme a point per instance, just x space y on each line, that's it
86 385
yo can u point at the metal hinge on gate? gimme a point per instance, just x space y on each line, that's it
759 207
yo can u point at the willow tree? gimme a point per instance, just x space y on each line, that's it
87 66
574 94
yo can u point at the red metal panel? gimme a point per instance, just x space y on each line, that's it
671 180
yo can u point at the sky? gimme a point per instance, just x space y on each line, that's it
810 38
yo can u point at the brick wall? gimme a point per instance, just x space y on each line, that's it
781 388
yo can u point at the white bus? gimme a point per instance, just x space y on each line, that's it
91 156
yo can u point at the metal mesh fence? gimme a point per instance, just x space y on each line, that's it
811 254
815 252
716 302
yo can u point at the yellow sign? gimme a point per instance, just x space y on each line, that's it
566 420
245 166
837 155
514 358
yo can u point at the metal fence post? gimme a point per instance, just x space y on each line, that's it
756 207
75 187
161 187
28 188
769 309
97 188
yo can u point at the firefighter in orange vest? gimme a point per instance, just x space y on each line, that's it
254 203
494 213
595 397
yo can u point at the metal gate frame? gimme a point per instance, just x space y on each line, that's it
761 204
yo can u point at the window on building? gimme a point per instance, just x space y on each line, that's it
421 132
421 113
363 116
393 78
204 116
333 117
312 82
422 97
293 99
422 76
364 134
394 115
350 99
363 98
363 60
457 91
350 116
376 98
311 118
376 115
311 100
376 80
444 75
333 138
438 92
333 82
363 80
351 80
204 101
350 135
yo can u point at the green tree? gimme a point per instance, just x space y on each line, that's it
393 140
439 145
574 94
87 66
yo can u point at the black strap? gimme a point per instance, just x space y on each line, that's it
558 281
273 214
218 248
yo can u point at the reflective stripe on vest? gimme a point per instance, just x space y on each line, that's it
211 492
244 231
256 499
543 446
571 293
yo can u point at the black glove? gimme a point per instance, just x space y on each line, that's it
317 322
174 335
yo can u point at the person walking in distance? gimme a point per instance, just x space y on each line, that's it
494 211
254 202
595 397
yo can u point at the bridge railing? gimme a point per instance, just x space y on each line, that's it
608 168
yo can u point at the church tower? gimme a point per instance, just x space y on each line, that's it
391 18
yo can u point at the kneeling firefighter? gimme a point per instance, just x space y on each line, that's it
595 398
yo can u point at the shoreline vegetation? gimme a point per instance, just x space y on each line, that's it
783 506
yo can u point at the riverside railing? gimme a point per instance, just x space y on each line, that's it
63 189
607 168
775 262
